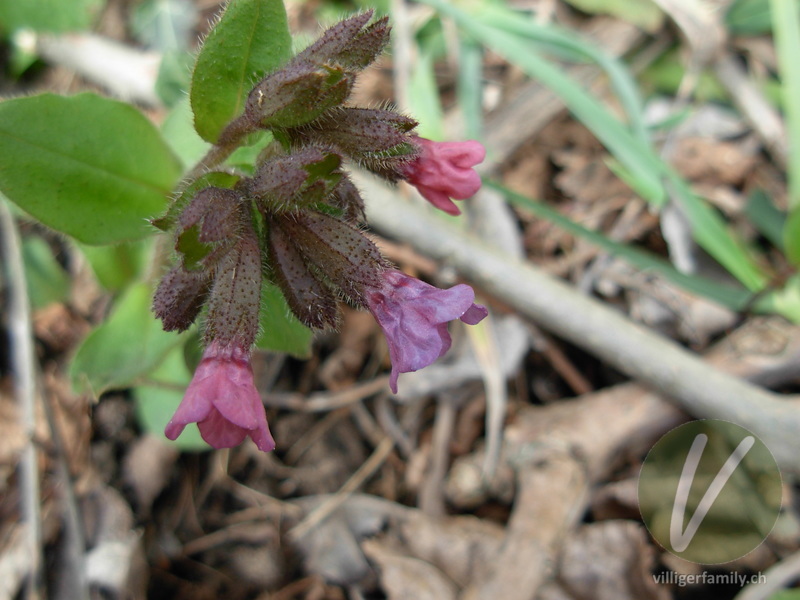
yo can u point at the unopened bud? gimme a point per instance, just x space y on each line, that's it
208 226
216 211
363 131
235 299
301 178
339 251
296 95
347 198
181 201
310 299
179 298
350 43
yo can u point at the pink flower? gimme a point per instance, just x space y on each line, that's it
443 170
414 317
222 399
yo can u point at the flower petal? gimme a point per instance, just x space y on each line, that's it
414 315
475 314
223 400
443 170
261 434
219 432
236 394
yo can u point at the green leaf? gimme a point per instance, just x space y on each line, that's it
424 100
211 179
244 157
157 401
791 237
735 298
664 75
793 594
48 15
179 132
251 39
713 234
174 76
470 86
749 17
87 166
786 31
125 348
643 13
653 177
116 266
280 329
784 301
47 281
769 221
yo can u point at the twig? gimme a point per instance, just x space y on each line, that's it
763 118
484 344
323 402
22 365
595 327
318 431
73 538
402 50
778 576
127 73
330 504
389 423
562 364
431 496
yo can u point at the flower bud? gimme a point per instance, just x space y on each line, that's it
443 170
347 198
295 95
211 179
339 252
235 299
179 297
378 140
361 132
349 43
301 178
222 399
208 226
216 211
414 315
311 301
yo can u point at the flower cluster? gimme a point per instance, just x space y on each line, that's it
295 222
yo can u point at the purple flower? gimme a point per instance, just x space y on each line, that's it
443 170
222 399
414 317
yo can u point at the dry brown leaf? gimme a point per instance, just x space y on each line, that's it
724 163
459 546
403 577
610 560
147 468
14 560
616 500
332 549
